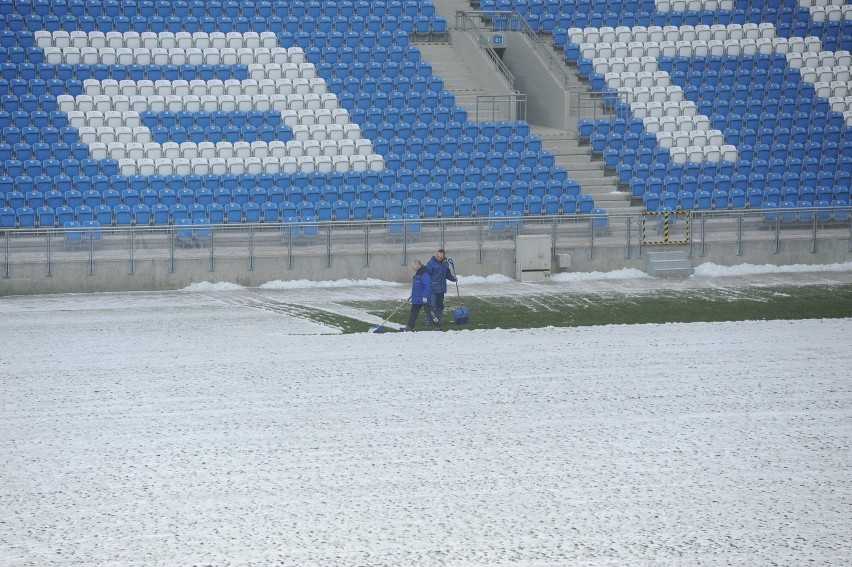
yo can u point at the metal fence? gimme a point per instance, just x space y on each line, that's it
497 107
169 245
480 25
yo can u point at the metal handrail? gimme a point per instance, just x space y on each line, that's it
518 100
164 245
465 22
518 23
553 64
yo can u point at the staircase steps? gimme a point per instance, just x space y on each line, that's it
565 144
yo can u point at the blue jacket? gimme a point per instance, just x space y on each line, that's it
421 286
440 274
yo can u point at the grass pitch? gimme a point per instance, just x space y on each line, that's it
578 310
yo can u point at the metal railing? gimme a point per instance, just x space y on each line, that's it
474 24
102 248
498 21
495 107
554 65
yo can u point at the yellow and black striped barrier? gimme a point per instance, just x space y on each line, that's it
667 223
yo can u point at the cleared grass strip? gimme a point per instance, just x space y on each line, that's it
579 310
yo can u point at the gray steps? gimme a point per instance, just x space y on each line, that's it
589 172
670 264
456 74
564 144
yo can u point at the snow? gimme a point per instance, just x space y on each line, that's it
213 426
710 269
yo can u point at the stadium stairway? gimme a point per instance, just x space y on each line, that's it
564 144
575 157
457 75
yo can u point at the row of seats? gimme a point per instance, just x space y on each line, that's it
292 25
43 143
212 103
722 106
304 39
36 127
151 40
172 151
805 211
233 192
158 56
556 7
21 48
819 172
51 143
187 119
840 169
659 34
72 199
28 103
362 61
227 24
38 160
81 72
188 60
773 64
581 19
267 86
744 92
727 78
616 155
305 126
803 184
790 121
287 164
762 153
141 214
198 8
696 48
199 166
65 189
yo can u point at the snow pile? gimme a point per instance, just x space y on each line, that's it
711 270
310 284
210 286
622 274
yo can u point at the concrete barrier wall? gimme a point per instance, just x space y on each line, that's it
28 273
547 101
483 68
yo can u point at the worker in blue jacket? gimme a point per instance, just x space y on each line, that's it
421 287
439 268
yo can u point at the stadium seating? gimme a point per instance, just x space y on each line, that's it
119 109
735 88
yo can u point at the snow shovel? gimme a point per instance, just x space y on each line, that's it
460 314
378 328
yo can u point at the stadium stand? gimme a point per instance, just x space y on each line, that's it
138 111
716 104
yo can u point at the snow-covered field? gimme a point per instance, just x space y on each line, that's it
201 427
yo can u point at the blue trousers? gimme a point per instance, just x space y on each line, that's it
415 310
436 301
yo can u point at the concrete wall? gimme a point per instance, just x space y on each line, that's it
487 77
547 101
480 64
28 274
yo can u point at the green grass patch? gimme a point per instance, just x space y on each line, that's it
579 310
